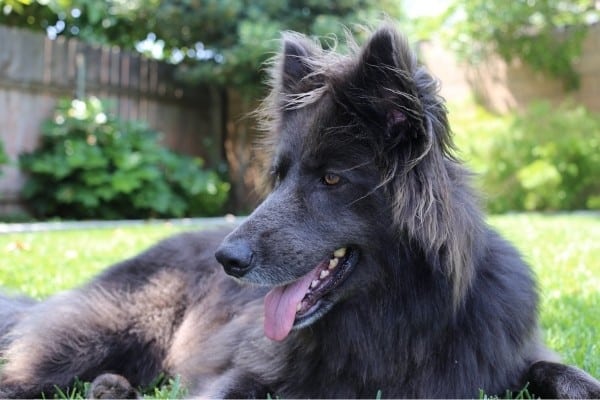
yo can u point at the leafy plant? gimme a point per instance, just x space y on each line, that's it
91 164
547 159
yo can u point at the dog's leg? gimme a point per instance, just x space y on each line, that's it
558 381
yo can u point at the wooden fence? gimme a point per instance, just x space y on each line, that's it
35 72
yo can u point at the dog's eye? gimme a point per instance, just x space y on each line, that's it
331 179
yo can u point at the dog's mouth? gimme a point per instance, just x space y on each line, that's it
303 301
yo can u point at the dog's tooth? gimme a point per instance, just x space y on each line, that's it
324 274
299 307
314 283
333 263
339 253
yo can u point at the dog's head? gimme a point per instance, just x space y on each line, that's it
358 164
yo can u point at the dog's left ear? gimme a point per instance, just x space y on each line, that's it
383 51
383 86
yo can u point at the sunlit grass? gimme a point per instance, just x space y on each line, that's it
564 251
40 264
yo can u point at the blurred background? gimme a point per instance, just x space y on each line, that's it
141 109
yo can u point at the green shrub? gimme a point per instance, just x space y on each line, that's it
91 164
547 159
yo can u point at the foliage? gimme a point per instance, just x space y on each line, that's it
27 13
103 22
239 51
3 157
546 159
92 165
546 34
218 41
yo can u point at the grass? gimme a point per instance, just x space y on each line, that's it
40 264
564 250
161 388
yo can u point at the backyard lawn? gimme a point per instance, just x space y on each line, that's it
563 249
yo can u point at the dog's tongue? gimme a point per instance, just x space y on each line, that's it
280 307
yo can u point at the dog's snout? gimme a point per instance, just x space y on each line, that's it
235 257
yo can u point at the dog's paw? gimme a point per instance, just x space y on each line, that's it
111 386
559 381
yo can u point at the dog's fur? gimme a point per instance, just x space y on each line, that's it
430 301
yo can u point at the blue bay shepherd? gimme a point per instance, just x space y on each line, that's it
367 268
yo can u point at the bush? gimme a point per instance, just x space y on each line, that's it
546 159
91 164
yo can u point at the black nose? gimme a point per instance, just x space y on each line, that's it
235 257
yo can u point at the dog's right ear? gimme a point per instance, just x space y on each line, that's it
295 62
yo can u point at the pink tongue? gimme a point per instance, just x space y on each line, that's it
280 307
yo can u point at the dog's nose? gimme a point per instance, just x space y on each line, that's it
235 257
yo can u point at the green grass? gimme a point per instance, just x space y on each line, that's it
161 388
40 264
564 251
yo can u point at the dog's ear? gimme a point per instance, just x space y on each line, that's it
382 51
295 61
384 86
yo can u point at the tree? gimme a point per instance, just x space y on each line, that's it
218 41
546 34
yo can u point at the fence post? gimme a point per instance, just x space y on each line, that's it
80 76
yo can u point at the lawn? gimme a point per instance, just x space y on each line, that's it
564 251
40 264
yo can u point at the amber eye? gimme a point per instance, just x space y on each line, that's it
331 179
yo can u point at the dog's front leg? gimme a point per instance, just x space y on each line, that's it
559 381
111 386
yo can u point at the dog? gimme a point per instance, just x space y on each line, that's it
367 270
